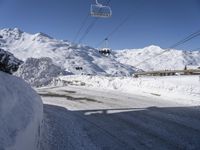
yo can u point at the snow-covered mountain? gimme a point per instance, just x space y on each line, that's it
73 58
79 59
172 59
39 72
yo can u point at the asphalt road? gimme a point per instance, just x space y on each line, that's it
86 119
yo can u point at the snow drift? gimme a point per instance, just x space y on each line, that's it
21 112
39 72
184 89
63 53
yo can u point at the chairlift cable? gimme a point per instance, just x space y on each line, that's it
81 27
90 26
88 30
115 29
188 38
196 49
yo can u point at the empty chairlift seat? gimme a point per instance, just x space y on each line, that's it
99 10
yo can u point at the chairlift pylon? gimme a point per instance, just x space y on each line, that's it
99 10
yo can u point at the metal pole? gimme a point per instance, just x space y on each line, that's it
98 3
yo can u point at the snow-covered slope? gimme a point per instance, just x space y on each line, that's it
69 56
173 59
39 72
21 114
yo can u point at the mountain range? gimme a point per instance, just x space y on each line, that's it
80 59
74 58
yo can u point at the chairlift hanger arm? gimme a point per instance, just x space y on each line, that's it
99 10
98 3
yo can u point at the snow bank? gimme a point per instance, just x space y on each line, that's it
184 89
21 112
39 72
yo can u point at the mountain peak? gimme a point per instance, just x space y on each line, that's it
41 34
153 47
16 30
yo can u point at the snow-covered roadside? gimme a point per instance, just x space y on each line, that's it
21 114
182 89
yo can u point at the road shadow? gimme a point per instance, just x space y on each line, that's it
122 129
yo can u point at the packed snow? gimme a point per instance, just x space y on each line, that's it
83 118
39 72
171 60
183 89
21 114
76 59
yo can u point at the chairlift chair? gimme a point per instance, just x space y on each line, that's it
99 10
106 50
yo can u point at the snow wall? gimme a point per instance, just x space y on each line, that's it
21 114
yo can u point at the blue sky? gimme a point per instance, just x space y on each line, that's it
158 22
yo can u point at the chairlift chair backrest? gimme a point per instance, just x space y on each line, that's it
98 10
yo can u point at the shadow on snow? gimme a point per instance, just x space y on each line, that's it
130 128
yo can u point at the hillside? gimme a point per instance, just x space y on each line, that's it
173 59
73 58
79 59
39 72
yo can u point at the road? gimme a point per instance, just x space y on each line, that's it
78 118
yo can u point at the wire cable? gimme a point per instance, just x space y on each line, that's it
88 30
90 26
188 38
196 49
191 36
115 29
81 27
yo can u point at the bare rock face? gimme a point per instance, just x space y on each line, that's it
39 72
8 62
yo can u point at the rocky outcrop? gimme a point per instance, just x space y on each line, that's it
8 62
